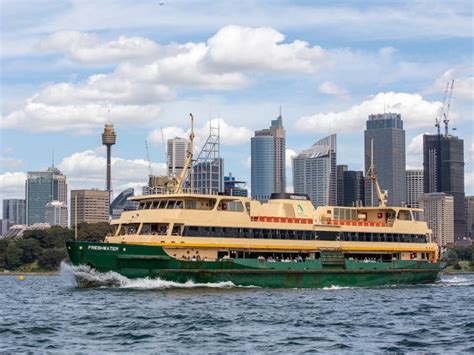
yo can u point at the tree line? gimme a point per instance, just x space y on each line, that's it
43 250
460 256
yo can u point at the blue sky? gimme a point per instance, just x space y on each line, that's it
327 63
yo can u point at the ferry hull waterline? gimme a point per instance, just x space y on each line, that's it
176 234
136 261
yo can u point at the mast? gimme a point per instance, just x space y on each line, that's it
381 196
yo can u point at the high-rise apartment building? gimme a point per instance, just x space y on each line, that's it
353 188
439 214
388 136
176 155
89 206
268 164
42 187
314 172
14 212
469 216
443 165
55 213
208 176
414 183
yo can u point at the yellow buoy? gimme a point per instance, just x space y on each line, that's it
21 277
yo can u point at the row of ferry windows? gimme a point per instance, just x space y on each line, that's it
224 205
259 233
227 232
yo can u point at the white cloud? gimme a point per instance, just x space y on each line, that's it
330 88
85 118
229 135
289 155
148 73
245 48
416 113
414 152
12 185
87 48
463 83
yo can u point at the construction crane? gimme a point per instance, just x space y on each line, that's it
148 159
446 112
441 113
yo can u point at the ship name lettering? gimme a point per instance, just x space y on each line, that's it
101 247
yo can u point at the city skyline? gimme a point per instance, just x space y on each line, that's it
314 72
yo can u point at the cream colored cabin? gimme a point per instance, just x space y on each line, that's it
209 224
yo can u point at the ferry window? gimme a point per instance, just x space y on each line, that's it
177 229
190 204
155 204
129 229
154 228
179 204
162 204
171 204
404 215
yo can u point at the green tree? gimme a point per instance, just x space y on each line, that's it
31 250
93 232
51 258
451 257
13 256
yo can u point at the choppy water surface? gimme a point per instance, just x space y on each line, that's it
49 313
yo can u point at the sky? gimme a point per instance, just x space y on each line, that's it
68 67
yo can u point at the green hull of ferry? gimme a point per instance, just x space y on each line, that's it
139 261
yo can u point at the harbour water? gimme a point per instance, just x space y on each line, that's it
49 313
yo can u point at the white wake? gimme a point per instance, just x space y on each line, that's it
84 276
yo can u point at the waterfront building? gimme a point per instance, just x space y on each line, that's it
388 136
353 188
121 203
3 227
14 212
89 206
439 214
42 187
55 213
233 187
268 156
314 172
469 216
340 169
414 184
176 155
443 165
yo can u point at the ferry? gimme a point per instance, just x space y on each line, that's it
286 242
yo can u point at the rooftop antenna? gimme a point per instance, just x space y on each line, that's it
52 158
280 110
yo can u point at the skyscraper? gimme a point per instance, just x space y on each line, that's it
90 206
340 169
176 155
42 187
14 212
353 188
414 183
55 213
314 172
208 176
386 131
268 161
443 165
438 213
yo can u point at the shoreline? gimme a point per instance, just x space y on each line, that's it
29 273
